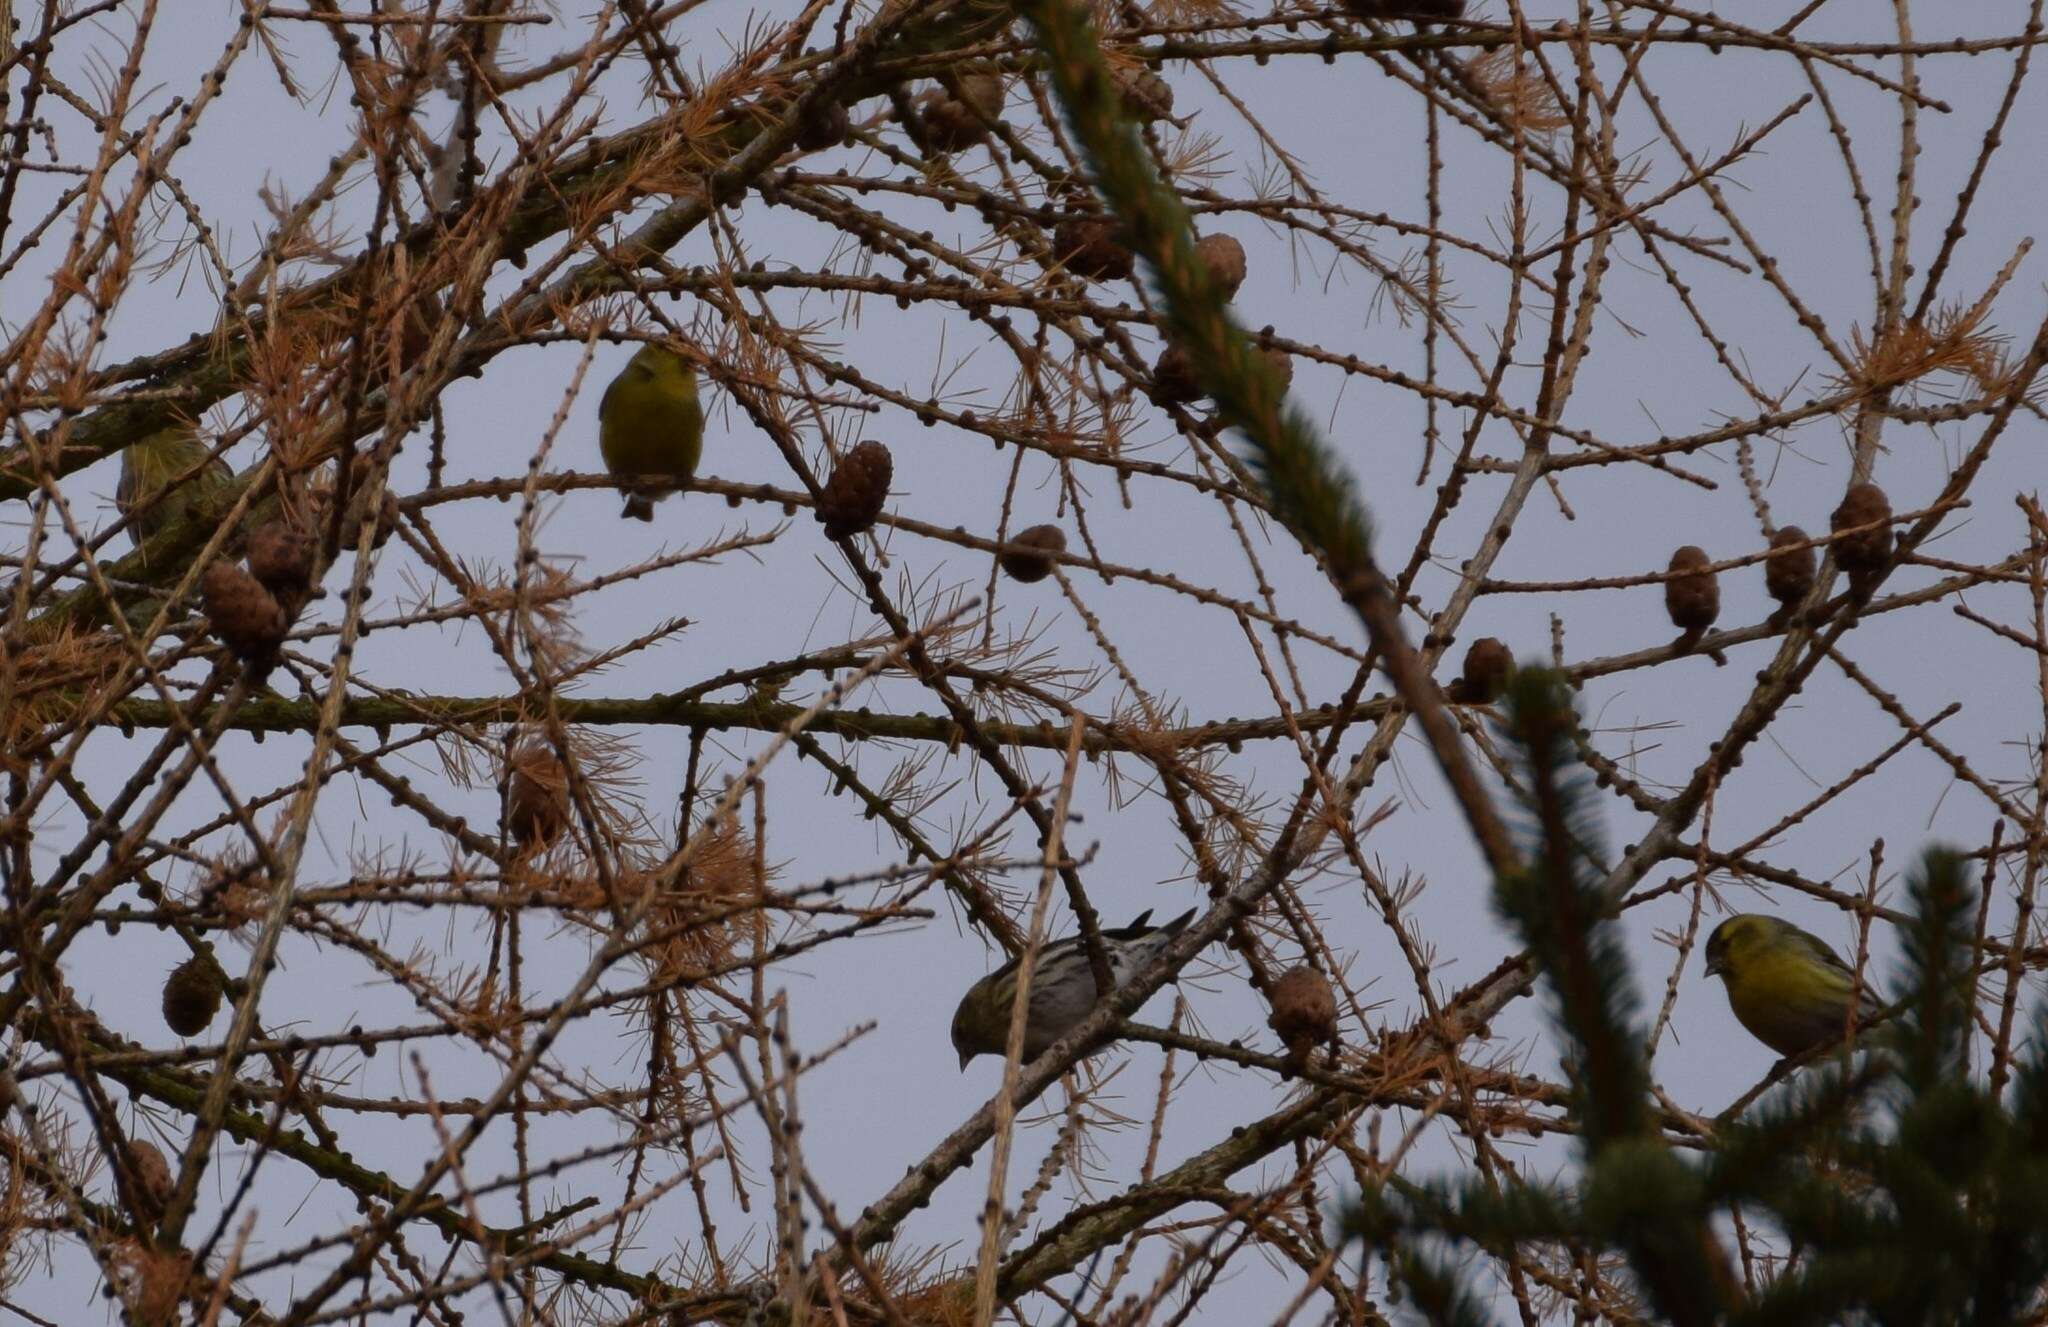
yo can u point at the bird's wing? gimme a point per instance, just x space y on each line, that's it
1128 948
1008 967
1868 1003
1139 925
1819 948
1048 953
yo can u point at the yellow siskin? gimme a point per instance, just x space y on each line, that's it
1785 985
149 466
650 424
1062 989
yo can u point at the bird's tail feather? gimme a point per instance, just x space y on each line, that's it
1140 926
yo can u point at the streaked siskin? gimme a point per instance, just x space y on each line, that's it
160 477
650 424
1062 989
1784 984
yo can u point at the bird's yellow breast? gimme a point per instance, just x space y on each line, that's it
1788 1000
650 422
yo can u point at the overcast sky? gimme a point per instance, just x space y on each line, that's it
880 1105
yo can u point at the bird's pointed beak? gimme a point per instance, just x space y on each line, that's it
965 1056
1717 966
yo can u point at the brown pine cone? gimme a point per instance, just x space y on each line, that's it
947 123
1173 378
352 522
1304 1012
281 558
1866 551
1224 257
950 123
826 126
1485 675
536 796
247 618
1788 575
152 1176
1693 600
1092 246
1033 553
855 494
192 996
1145 95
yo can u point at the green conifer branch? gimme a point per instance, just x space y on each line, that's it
1763 1152
1306 485
1937 979
1555 905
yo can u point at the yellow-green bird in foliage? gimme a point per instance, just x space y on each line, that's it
1062 989
1785 985
650 425
161 475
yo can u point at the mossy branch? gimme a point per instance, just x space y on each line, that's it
280 714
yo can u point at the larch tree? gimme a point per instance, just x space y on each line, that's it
1463 497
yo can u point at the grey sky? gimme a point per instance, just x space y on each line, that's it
879 1105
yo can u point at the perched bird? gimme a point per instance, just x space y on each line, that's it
1062 989
650 425
1785 985
148 468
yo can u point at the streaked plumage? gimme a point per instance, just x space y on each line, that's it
149 465
1062 989
650 424
1785 985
